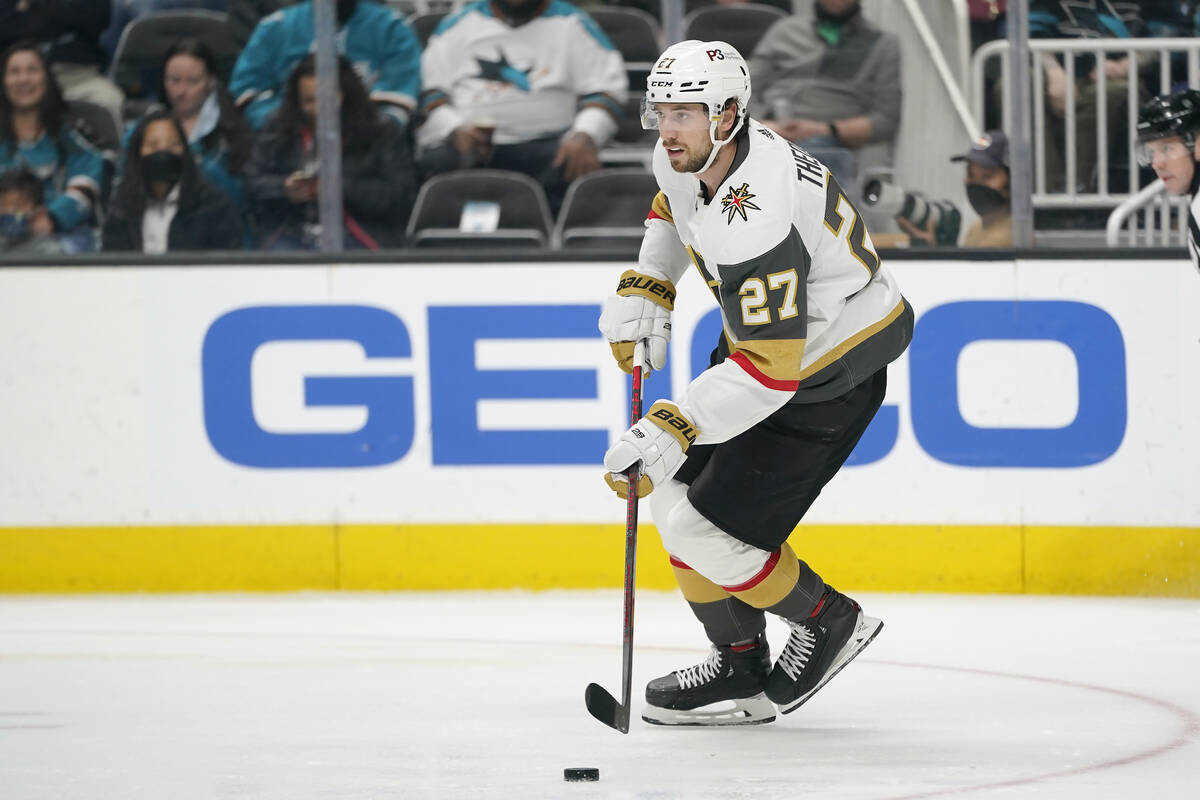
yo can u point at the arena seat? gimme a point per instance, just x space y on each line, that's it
740 25
606 209
438 213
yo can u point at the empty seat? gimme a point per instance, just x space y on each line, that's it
636 35
606 209
741 25
138 59
438 214
97 125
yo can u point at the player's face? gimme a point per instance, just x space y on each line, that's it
684 131
1173 162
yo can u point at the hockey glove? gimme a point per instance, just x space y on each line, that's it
639 309
659 441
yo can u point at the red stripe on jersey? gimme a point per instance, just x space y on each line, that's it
653 215
675 562
758 375
767 569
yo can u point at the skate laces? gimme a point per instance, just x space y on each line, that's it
798 650
700 673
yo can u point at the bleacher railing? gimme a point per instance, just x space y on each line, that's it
1149 59
1149 218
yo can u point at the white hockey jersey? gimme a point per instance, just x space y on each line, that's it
809 311
555 73
1193 234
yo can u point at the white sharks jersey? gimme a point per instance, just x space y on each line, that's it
558 71
809 311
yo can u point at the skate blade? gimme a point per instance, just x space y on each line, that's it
864 633
756 710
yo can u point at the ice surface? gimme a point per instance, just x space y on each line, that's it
448 695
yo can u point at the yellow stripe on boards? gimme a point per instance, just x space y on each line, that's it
894 558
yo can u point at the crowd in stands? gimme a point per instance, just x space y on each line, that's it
216 156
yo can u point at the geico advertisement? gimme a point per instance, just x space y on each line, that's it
1036 392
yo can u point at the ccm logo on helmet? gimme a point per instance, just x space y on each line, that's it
662 83
714 55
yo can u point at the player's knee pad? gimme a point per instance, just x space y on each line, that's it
710 551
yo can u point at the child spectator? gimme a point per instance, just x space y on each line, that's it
34 133
382 47
21 208
162 202
378 179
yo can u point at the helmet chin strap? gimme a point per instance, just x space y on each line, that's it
718 143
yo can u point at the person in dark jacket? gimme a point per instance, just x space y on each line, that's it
162 202
378 176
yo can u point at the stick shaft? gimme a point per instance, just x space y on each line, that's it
631 526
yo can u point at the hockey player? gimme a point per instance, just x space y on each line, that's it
1167 141
811 319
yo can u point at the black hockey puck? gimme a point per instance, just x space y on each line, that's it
581 774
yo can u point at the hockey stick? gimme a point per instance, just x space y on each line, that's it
602 705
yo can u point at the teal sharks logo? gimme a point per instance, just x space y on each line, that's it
503 72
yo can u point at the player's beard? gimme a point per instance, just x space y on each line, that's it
694 161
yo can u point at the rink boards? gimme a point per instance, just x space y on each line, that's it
378 426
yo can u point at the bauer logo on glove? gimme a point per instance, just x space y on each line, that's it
639 310
659 442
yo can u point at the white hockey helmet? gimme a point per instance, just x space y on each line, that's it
709 73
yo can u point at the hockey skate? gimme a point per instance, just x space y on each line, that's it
733 680
818 648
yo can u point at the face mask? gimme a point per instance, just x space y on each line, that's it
985 199
519 13
162 166
15 228
837 19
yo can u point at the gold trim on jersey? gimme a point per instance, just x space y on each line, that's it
696 588
849 344
778 359
662 207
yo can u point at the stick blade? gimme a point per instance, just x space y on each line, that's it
604 707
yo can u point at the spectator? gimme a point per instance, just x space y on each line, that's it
244 15
378 180
69 32
1102 19
21 207
162 202
382 47
939 223
527 85
216 133
831 84
35 133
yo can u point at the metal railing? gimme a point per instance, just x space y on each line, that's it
1138 51
1149 218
